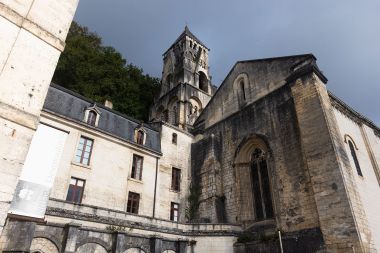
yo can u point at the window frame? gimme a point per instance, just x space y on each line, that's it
354 157
134 166
140 136
176 179
81 157
93 119
132 202
261 186
76 187
173 211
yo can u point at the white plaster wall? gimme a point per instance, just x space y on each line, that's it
108 175
217 244
19 6
53 15
368 185
6 42
178 156
26 76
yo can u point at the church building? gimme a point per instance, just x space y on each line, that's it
270 161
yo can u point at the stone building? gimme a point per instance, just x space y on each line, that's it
269 160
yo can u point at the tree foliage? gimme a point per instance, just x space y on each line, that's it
99 72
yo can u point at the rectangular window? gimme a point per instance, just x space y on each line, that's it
133 202
174 211
84 150
75 192
137 167
176 179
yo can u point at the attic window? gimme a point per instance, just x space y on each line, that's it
91 119
91 116
140 136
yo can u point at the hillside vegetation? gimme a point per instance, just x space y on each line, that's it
99 72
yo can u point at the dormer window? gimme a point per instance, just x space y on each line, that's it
91 119
92 115
140 136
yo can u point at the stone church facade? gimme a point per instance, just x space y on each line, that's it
271 161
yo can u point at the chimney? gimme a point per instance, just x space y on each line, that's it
108 104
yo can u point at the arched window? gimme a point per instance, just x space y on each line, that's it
91 118
203 82
140 137
242 88
165 116
175 115
263 205
169 81
355 158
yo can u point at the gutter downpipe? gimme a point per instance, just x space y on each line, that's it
155 190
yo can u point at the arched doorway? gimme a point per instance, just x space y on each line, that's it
43 245
203 81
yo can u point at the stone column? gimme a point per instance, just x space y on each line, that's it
323 150
182 246
155 244
34 36
71 236
25 232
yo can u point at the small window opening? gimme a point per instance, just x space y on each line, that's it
355 158
174 211
203 82
174 138
242 89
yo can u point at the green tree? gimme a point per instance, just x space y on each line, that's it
99 72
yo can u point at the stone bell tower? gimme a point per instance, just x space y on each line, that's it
186 83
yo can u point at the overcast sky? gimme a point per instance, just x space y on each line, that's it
343 34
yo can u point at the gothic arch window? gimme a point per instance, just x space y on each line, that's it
353 147
175 115
262 197
165 116
203 81
241 86
169 81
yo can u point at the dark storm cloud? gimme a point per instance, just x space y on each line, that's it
343 35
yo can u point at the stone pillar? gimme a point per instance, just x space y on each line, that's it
155 244
321 143
182 246
118 242
25 232
71 236
34 36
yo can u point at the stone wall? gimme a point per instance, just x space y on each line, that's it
366 145
272 119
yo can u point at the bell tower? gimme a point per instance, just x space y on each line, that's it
186 82
186 61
